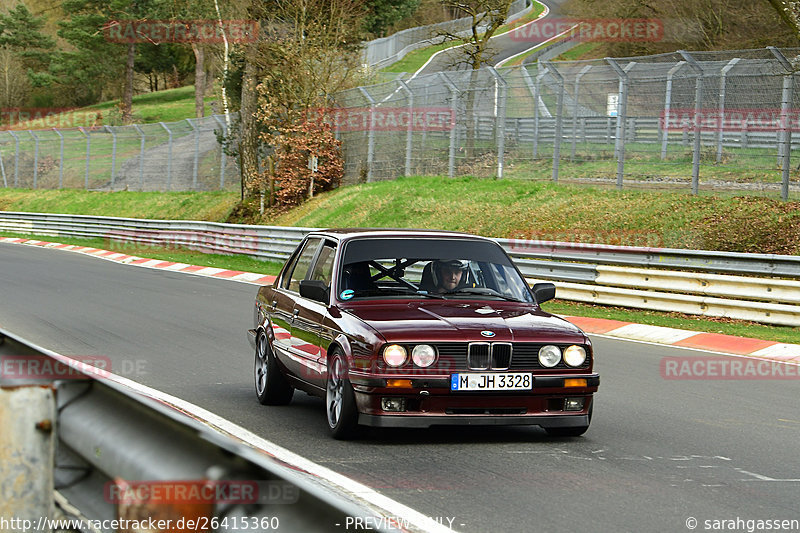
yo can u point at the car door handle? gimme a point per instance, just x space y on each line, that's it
295 313
274 304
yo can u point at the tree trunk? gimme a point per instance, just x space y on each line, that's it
199 81
127 93
248 145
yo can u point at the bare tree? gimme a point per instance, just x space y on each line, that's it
789 12
486 17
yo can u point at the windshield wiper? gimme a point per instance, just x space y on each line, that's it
484 291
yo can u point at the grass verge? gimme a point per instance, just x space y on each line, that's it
210 206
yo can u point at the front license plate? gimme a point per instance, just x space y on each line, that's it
491 381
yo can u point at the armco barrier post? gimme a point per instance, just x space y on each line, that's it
622 113
60 159
575 106
559 116
722 87
500 97
371 138
698 103
28 450
667 104
786 129
169 155
451 158
409 133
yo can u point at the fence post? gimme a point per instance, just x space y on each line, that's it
16 158
113 153
451 159
667 104
371 134
622 115
88 151
195 162
222 159
722 77
61 159
409 139
141 158
3 170
578 77
559 116
501 93
698 102
537 87
786 102
35 158
169 156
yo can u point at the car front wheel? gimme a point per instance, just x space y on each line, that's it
340 403
271 385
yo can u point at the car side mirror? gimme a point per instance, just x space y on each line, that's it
314 289
543 292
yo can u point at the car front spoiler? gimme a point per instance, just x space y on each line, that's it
426 421
251 336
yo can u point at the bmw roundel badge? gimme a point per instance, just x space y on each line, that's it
487 333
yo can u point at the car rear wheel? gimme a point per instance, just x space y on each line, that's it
573 431
271 385
340 402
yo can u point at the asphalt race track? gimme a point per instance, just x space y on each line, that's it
659 452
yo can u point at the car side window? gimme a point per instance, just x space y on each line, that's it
323 269
300 270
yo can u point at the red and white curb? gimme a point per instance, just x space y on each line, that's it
714 342
117 257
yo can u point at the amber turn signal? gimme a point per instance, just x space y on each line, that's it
401 383
575 382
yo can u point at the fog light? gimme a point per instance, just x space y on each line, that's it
398 405
573 404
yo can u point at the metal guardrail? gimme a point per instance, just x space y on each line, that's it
105 451
382 52
713 283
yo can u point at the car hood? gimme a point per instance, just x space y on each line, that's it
457 320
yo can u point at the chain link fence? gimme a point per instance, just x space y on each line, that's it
180 156
699 120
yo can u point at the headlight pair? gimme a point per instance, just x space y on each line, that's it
550 355
423 355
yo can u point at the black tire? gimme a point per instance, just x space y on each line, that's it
573 431
271 385
340 402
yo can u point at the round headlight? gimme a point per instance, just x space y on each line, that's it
394 355
575 355
423 355
549 356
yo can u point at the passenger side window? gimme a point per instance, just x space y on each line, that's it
323 270
300 269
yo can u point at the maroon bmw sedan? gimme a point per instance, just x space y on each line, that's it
413 328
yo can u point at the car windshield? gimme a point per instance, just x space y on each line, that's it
428 268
